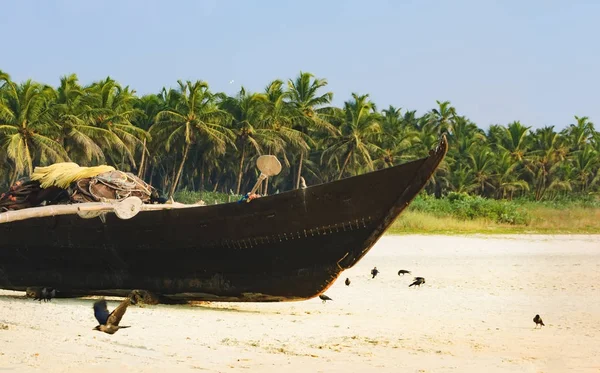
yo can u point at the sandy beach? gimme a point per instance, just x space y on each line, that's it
474 314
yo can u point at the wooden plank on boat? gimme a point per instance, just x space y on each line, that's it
125 209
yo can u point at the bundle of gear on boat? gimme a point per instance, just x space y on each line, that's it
64 183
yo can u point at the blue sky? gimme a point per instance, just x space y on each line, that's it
496 61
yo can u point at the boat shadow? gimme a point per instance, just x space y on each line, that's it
213 307
208 306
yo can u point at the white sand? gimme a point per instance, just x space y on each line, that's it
474 314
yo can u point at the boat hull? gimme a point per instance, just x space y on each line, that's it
289 246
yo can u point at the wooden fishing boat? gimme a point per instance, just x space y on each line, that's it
284 247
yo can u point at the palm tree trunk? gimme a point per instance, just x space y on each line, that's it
151 175
239 181
28 158
345 164
176 181
142 162
13 178
299 170
202 167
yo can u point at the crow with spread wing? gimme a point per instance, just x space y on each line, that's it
109 322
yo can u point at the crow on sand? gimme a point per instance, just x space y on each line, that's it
347 282
418 281
43 294
324 298
48 294
538 321
109 322
374 272
403 272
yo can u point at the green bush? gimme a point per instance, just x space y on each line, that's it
464 206
211 198
562 202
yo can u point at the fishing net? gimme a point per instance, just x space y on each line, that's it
68 182
28 193
112 185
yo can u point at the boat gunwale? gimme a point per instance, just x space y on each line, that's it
108 207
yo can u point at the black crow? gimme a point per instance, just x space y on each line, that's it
403 272
43 294
374 272
538 321
418 281
347 282
324 298
35 293
48 294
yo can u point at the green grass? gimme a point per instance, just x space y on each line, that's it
463 214
543 221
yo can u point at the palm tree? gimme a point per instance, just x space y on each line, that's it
443 117
307 117
397 140
26 126
195 117
482 163
79 137
549 150
278 115
245 110
465 136
111 107
584 162
462 179
149 106
359 127
515 140
392 120
4 79
579 134
508 177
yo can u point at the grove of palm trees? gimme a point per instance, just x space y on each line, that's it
190 138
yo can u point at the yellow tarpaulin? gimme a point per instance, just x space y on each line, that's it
63 174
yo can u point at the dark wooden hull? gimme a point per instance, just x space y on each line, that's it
288 246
